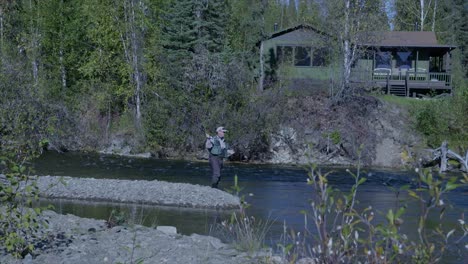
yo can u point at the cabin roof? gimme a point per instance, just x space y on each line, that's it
291 29
415 39
423 39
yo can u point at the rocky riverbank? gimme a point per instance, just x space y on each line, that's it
376 132
140 192
74 240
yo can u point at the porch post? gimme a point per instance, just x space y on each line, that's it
373 60
373 65
416 64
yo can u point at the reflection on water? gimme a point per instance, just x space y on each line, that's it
187 221
277 193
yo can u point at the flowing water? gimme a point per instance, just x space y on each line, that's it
275 193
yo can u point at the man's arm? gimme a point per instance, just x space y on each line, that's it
208 143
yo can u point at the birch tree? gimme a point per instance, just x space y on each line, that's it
30 37
55 35
2 21
434 13
353 21
416 15
133 44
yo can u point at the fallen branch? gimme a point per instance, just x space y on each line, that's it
443 154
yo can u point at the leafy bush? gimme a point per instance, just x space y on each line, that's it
440 120
430 122
18 222
26 124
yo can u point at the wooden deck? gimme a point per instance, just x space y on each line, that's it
407 84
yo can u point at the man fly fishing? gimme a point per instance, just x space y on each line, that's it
218 150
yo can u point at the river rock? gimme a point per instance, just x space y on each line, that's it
170 230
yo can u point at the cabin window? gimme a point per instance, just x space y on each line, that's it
383 60
403 60
302 56
320 57
284 54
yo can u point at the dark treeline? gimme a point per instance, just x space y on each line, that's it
162 72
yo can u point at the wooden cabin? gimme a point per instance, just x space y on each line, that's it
404 63
299 54
401 63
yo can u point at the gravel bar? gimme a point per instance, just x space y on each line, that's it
138 191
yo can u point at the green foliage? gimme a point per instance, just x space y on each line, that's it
27 125
18 223
404 102
334 136
236 189
438 119
116 218
431 124
442 119
430 194
245 26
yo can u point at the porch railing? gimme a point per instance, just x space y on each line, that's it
432 79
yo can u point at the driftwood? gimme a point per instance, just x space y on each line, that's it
443 154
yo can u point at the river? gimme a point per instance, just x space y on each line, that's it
274 193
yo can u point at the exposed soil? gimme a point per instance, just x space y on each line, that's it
362 128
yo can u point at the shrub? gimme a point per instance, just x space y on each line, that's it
18 222
431 123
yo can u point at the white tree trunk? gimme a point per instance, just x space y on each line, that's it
346 48
1 28
132 54
434 16
136 64
424 10
421 18
63 72
262 71
35 72
34 46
